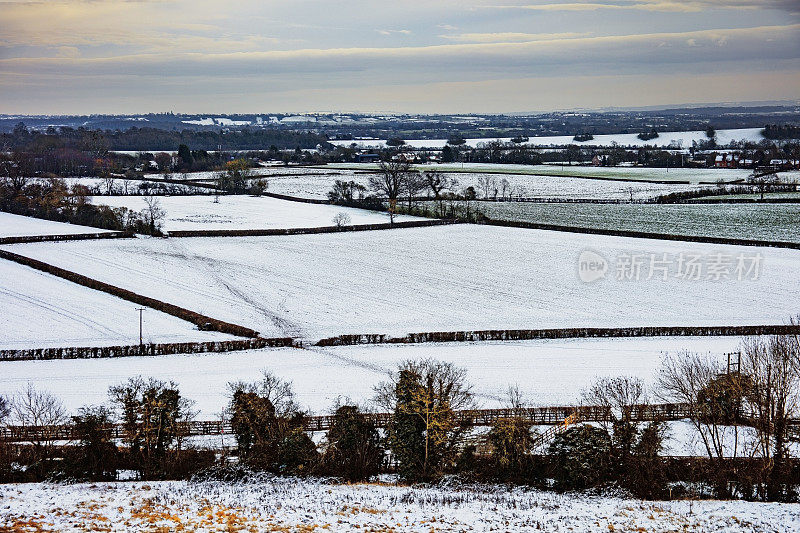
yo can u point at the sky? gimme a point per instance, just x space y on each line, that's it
400 56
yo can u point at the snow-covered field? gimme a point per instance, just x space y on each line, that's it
20 226
527 185
244 212
280 504
690 175
773 222
460 277
547 372
667 139
38 310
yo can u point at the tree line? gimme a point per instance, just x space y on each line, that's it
742 416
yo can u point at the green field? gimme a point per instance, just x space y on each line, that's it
775 222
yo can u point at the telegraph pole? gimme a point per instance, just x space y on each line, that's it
140 309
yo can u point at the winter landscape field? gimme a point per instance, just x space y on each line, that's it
308 505
244 212
420 267
458 277
771 222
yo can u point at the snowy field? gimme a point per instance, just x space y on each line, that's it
667 139
548 372
460 277
686 175
244 212
43 311
20 226
527 185
772 222
280 504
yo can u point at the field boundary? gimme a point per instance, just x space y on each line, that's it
306 231
559 333
204 323
642 234
67 237
144 350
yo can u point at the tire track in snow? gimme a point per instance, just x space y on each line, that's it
286 327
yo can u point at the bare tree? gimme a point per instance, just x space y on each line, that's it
505 188
773 397
390 182
437 183
40 409
274 389
618 394
5 409
108 181
487 183
414 184
153 214
341 220
701 382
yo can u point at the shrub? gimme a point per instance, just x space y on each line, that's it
354 450
581 456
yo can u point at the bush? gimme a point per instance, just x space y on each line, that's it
581 456
96 456
354 450
511 441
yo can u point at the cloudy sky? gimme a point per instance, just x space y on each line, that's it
260 56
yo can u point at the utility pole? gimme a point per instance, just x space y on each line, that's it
140 309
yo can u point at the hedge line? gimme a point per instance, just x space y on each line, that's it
143 350
201 321
560 333
304 231
643 234
70 237
295 198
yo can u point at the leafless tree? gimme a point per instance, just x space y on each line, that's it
618 394
5 409
108 181
153 214
390 182
505 188
414 184
773 398
700 382
273 388
487 183
31 407
341 220
447 380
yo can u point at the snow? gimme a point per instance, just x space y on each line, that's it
21 226
244 212
218 121
459 277
281 504
693 176
548 372
668 139
775 222
522 184
42 311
